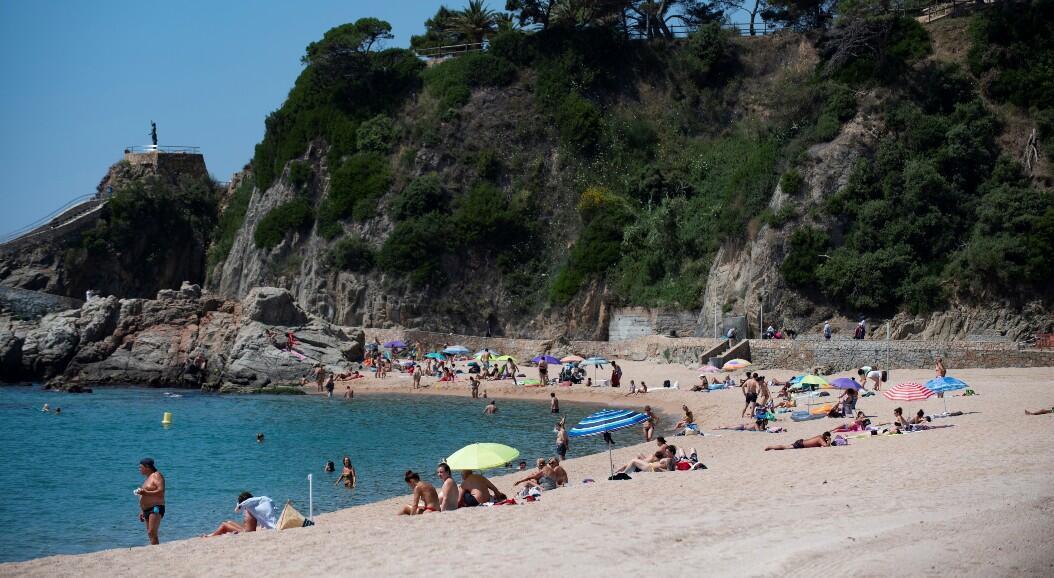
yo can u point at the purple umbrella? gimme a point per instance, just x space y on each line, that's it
395 344
548 359
845 383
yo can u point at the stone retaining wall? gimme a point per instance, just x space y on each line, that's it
836 355
636 322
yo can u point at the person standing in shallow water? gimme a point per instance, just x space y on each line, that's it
554 404
491 408
347 475
562 440
151 498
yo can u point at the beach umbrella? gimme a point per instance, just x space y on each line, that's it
435 355
548 359
813 380
845 383
505 358
397 344
482 456
571 359
604 422
595 362
709 369
909 391
735 364
945 384
456 350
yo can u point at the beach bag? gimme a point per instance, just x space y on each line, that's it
291 518
885 376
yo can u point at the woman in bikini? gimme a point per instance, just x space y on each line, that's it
347 475
425 499
687 420
649 424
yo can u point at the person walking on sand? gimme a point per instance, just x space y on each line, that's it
616 374
491 408
348 475
448 493
424 498
543 371
750 394
417 376
151 498
649 424
554 404
821 441
562 440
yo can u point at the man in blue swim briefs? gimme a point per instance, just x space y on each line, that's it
151 498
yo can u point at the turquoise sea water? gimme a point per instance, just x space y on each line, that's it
66 480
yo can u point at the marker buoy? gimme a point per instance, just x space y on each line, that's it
167 418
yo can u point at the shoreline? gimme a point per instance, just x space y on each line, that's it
981 497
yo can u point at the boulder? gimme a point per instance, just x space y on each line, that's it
98 318
273 306
50 346
190 290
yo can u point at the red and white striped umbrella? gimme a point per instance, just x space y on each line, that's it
910 391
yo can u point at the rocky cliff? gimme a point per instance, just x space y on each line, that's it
183 338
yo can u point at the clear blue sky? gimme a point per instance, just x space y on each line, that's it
81 80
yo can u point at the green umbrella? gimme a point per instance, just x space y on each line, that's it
482 456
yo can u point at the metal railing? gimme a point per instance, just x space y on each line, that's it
174 149
452 50
71 211
682 31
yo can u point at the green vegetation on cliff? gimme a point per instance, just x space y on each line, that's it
575 154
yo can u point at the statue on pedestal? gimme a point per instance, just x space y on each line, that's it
153 133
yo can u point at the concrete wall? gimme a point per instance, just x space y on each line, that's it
170 164
838 355
636 322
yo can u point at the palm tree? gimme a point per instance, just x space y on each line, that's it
474 22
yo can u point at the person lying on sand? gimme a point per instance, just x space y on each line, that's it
855 425
898 419
753 427
476 490
424 499
259 513
661 461
821 441
688 460
920 418
1039 411
543 477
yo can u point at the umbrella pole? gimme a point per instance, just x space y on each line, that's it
611 460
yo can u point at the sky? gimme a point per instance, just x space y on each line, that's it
80 80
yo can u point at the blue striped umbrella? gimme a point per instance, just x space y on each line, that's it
944 384
606 421
456 350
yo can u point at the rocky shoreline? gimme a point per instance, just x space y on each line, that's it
183 338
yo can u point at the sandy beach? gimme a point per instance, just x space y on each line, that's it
974 499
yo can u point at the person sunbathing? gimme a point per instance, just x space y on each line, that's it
424 499
821 441
688 460
543 477
856 425
898 419
759 425
1039 411
476 489
920 418
259 513
559 473
687 421
661 463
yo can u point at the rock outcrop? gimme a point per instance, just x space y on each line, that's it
180 339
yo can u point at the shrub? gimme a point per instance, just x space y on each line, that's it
272 228
791 182
803 256
414 247
355 188
376 135
578 122
488 166
514 46
423 195
299 174
351 254
230 222
485 216
596 250
708 50
452 81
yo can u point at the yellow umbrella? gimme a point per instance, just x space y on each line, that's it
482 456
505 358
813 380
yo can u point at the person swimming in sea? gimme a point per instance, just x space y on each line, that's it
491 408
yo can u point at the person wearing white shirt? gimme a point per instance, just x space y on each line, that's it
259 513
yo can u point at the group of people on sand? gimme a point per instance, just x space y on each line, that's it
474 490
666 458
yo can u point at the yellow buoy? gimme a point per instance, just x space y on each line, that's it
167 418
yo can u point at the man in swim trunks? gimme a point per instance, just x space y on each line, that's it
448 494
821 441
491 408
750 394
559 473
476 490
561 439
424 499
151 498
543 372
554 403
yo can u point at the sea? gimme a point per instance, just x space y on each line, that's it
66 480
